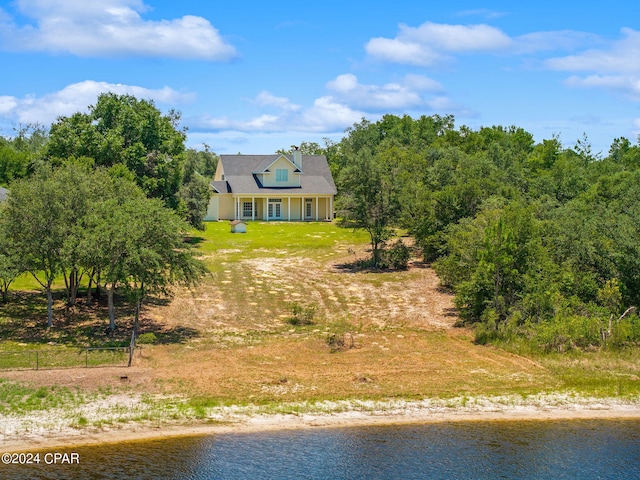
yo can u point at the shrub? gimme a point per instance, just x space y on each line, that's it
625 331
338 342
566 333
301 314
147 339
397 256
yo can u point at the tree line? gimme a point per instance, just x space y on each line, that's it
105 198
130 138
538 242
87 225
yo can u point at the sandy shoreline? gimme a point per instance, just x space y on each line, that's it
540 408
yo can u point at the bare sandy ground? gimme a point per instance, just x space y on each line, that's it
226 420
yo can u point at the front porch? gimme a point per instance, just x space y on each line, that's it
272 208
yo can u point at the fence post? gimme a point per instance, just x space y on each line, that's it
132 346
86 358
37 365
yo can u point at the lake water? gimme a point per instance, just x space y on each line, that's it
585 449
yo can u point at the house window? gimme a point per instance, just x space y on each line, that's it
308 208
282 175
247 209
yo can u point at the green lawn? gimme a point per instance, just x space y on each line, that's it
277 238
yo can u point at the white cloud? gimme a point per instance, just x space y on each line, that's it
7 104
553 40
347 102
76 98
266 99
626 86
615 66
262 123
325 115
111 28
395 50
457 38
389 97
432 42
420 82
328 115
622 56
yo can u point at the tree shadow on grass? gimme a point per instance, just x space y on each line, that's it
366 266
166 335
357 266
23 320
193 240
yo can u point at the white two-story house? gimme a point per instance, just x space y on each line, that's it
272 187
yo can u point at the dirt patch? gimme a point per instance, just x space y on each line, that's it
257 293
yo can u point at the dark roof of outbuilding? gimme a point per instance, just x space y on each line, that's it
240 178
3 194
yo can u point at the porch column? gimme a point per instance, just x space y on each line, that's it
302 209
331 208
289 209
253 208
316 209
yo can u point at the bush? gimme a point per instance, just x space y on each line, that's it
487 330
625 332
337 342
396 257
301 314
147 339
570 332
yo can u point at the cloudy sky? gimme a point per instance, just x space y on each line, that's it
253 76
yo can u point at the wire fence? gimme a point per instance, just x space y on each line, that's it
66 358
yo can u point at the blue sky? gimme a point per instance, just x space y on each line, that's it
252 77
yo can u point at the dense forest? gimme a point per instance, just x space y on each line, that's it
538 241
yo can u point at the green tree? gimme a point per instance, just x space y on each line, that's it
14 164
11 264
488 258
369 199
160 256
203 162
34 226
195 195
120 129
137 244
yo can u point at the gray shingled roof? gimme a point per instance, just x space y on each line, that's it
3 194
315 178
220 186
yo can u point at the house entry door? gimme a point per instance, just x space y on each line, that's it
275 208
307 208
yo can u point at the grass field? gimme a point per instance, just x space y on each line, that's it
230 340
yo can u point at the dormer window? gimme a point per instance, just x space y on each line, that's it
282 175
